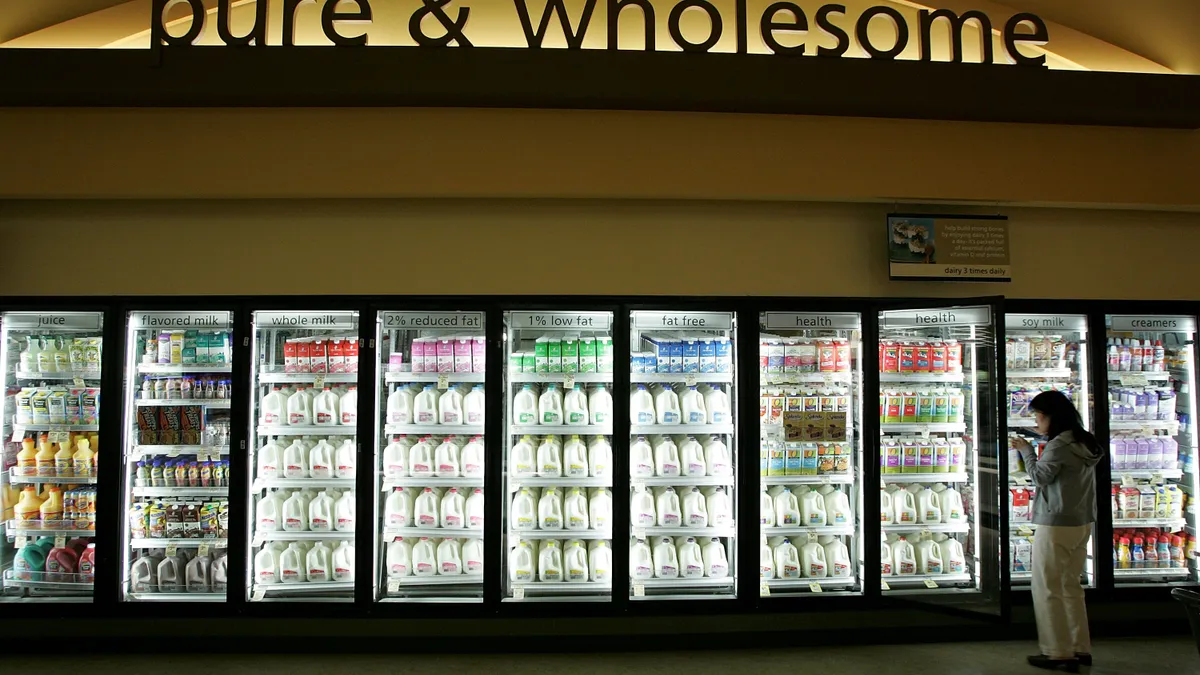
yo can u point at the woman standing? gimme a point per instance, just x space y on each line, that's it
1064 511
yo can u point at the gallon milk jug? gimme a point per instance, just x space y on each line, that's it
326 409
812 507
720 509
666 458
766 560
298 409
929 558
666 559
837 507
142 573
400 406
887 512
575 508
550 562
446 459
694 409
274 408
525 405
599 457
904 558
885 557
266 563
293 565
550 510
716 402
425 406
421 458
953 560
320 513
575 406
787 561
342 562
641 508
399 559
575 458
426 509
837 558
170 575
472 458
473 406
929 506
320 460
523 516
575 562
450 407
520 563
344 460
398 510
906 508
320 563
600 509
600 408
295 514
695 509
449 557
295 460
787 509
343 512
269 513
716 564
813 561
424 558
952 507
475 504
472 556
454 510
269 457
549 458
670 512
691 456
521 460
666 404
550 408
641 458
691 560
641 406
716 456
395 458
348 405
219 573
600 562
766 509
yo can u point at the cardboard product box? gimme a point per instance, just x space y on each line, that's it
191 424
169 425
147 421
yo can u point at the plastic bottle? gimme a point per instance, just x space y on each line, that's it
525 405
47 466
766 560
170 575
84 459
575 458
1164 551
575 562
666 458
904 560
575 510
395 458
666 559
716 402
641 458
929 507
906 507
475 509
641 406
691 456
787 509
787 560
425 406
421 458
400 406
522 462
600 562
449 558
1178 555
399 559
720 507
813 562
716 456
600 509
398 510
523 511
293 564
1124 555
693 406
474 406
600 406
29 356
298 409
450 407
575 407
550 562
837 558
269 460
424 558
64 461
812 509
1151 552
666 405
670 512
446 459
550 406
549 458
766 509
320 460
953 559
550 510
326 409
48 357
51 510
453 510
691 559
695 508
929 558
716 564
472 458
885 557
427 508
343 512
348 405
472 556
641 508
521 567
837 507
319 512
318 563
344 460
600 458
1138 553
342 562
266 566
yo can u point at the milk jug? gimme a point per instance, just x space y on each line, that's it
295 514
475 505
929 506
450 407
525 405
293 565
550 510
766 509
575 406
320 513
720 509
813 561
787 509
667 505
453 510
326 410
766 560
716 564
904 559
170 574
320 460
691 560
575 458
666 404
550 562
837 558
694 409
929 558
426 509
600 406
473 406
523 517
716 402
837 507
666 458
599 457
395 458
268 460
268 512
600 509
600 562
887 512
398 510
295 460
449 557
472 458
425 406
885 557
952 507
520 563
349 407
342 562
421 458
424 558
142 575
575 562
695 508
446 459
641 459
787 560
692 458
298 410
521 460
273 407
906 508
344 460
953 560
812 507
716 456
575 508
641 509
266 565
641 406
549 458
550 406
399 559
666 559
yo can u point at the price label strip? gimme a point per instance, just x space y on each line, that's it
443 382
519 593
815 587
764 590
930 583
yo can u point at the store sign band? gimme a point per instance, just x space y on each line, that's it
417 320
448 19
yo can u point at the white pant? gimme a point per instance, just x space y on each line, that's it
1059 555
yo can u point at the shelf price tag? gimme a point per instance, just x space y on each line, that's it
202 551
569 381
519 593
172 549
883 585
78 382
173 452
930 583
924 431
20 542
259 594
319 382
690 380
815 587
639 533
443 381
258 541
59 436
18 435
639 591
1157 478
393 586
60 541
764 590
827 379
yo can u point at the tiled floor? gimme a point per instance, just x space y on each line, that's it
1165 656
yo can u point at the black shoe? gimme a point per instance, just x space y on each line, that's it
1046 663
1084 659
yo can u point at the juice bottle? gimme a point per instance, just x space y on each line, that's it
1123 554
84 459
64 462
27 458
45 457
51 510
29 507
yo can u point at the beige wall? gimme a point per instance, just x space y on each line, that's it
562 247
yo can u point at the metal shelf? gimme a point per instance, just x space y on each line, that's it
441 429
647 378
1148 474
180 491
669 429
684 582
771 379
1157 425
175 450
922 427
39 528
68 375
1149 375
914 378
176 597
955 477
71 583
305 587
1152 573
561 429
698 532
281 535
826 479
1016 525
685 481
920 579
805 582
583 378
1022 422
560 534
1039 373
183 368
18 428
49 480
437 532
284 378
454 580
432 378
267 483
800 530
515 483
308 430
432 481
178 543
1172 524
954 528
559 587
213 403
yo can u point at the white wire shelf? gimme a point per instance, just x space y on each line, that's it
688 378
285 378
175 450
214 403
954 477
183 368
897 581
671 429
180 491
515 483
801 530
301 483
1039 373
308 430
561 429
685 481
419 482
599 378
560 534
430 378
771 379
434 532
698 532
824 479
954 528
50 480
178 543
943 378
438 429
61 375
922 427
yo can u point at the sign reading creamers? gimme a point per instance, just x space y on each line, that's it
963 248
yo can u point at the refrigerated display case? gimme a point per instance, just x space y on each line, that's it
558 463
682 455
179 383
430 454
304 420
1042 352
810 455
1152 445
50 432
939 453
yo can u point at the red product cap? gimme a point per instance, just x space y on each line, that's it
1177 540
1124 541
1152 541
1137 541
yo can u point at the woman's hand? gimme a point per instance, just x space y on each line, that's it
1019 444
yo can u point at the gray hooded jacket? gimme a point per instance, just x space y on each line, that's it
1065 478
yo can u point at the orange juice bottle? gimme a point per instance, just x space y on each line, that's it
64 461
45 457
83 459
51 510
93 438
29 507
27 458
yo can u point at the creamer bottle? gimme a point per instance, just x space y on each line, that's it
522 462
474 406
599 457
575 458
641 458
600 406
575 407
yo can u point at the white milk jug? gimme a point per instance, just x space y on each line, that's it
344 460
550 510
523 511
327 409
575 562
666 405
599 457
472 458
716 564
813 561
292 565
298 411
446 459
549 458
449 557
720 508
666 559
521 460
670 512
641 509
550 562
766 560
691 560
450 407
575 508
266 566
348 405
953 559
525 405
929 506
666 458
716 456
400 406
421 458
787 561
787 509
906 508
837 507
575 407
269 457
691 455
295 514
424 558
342 562
320 460
319 563
695 509
426 509
395 458
885 557
694 409
575 458
837 558
399 559
641 406
952 507
398 510
600 562
600 407
274 409
812 507
320 513
269 513
887 512
929 558
475 506
473 406
425 406
520 563
550 406
641 560
600 509
343 512
766 509
904 558
716 402
641 458
295 460
453 510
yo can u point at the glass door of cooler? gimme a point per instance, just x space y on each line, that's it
1042 352
304 447
558 466
1151 411
178 385
683 451
50 433
430 455
939 455
811 450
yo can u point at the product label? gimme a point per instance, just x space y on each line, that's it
704 320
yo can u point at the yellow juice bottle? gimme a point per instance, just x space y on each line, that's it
45 457
27 459
83 459
51 510
29 507
64 461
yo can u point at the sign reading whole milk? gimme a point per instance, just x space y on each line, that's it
431 320
307 320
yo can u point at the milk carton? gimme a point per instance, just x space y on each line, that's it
462 355
691 354
1147 500
478 354
445 355
1022 553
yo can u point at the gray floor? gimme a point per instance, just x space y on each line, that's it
1153 656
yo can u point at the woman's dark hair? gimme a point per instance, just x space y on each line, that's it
1063 417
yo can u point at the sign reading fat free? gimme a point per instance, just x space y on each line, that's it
787 28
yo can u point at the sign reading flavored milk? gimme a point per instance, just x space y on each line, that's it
945 316
419 320
185 320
